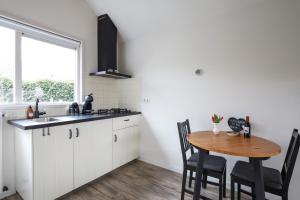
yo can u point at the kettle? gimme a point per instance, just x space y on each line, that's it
74 108
87 105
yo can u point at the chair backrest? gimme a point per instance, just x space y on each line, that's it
183 131
290 160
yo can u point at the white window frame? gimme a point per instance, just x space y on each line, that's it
37 33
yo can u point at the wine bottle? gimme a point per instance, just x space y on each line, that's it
247 128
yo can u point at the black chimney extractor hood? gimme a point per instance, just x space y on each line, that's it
107 49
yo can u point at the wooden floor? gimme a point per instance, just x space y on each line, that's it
135 181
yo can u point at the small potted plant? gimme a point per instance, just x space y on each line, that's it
216 120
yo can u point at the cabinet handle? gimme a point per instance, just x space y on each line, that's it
116 138
70 134
77 132
48 131
44 132
126 120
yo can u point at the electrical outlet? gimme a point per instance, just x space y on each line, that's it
146 100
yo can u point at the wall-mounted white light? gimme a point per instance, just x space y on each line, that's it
198 72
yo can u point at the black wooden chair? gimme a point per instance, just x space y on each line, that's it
214 166
276 182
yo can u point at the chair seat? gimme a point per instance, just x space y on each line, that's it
245 171
211 163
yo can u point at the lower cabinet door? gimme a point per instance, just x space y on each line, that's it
133 148
92 150
43 165
125 145
102 144
120 147
67 157
63 140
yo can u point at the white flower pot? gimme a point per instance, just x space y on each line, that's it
216 128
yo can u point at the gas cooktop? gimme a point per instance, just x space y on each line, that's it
110 111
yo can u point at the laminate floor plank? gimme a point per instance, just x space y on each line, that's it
136 181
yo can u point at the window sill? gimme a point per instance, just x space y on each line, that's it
4 107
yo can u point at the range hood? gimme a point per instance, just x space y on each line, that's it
107 49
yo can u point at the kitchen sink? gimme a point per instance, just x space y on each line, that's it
45 119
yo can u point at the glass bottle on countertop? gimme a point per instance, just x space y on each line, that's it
29 112
247 128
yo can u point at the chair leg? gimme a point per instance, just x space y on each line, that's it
253 193
190 178
285 197
224 184
183 183
239 191
220 188
204 183
232 188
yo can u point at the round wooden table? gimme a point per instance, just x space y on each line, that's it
255 148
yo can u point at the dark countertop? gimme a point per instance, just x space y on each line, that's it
27 124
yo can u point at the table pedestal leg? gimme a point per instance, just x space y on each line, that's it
199 171
259 179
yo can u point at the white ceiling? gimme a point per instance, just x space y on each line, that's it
135 18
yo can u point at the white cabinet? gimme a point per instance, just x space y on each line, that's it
63 151
133 150
51 162
43 165
120 147
126 140
124 122
92 151
24 164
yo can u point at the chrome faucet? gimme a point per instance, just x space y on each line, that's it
37 113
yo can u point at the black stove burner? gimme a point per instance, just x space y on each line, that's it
113 111
102 111
108 111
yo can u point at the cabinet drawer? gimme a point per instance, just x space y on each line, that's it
124 122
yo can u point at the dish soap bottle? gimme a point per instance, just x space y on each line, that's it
29 112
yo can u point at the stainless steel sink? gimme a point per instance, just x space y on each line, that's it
45 119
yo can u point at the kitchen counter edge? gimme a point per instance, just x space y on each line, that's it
21 123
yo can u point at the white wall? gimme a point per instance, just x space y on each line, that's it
73 18
250 59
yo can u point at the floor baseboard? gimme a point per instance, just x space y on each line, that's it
6 194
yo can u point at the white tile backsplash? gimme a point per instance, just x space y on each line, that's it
104 91
129 93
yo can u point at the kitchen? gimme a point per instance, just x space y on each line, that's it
226 57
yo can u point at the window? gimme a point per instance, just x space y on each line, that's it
7 64
49 68
35 63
